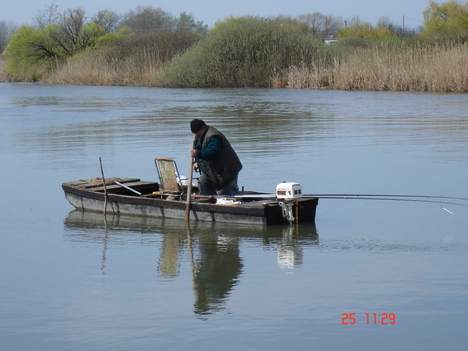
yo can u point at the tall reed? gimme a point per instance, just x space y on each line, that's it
406 68
3 69
98 68
133 61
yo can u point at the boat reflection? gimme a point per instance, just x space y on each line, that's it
213 249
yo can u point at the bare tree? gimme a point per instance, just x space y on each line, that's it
67 32
71 25
313 20
355 21
331 25
399 30
283 19
384 21
147 19
7 29
106 19
321 24
48 15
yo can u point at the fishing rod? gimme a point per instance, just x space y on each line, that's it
381 197
385 196
358 196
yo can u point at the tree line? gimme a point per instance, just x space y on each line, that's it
58 36
72 27
147 19
446 19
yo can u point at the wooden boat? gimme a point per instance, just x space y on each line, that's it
149 198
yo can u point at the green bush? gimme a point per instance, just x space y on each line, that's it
23 61
354 42
448 20
241 52
33 52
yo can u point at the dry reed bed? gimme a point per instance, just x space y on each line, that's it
435 69
98 69
3 69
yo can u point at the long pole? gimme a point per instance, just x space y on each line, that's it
357 196
189 186
104 184
407 199
385 197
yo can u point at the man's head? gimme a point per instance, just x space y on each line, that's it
196 125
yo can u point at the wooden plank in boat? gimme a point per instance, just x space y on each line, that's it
132 184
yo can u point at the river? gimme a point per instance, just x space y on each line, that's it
380 274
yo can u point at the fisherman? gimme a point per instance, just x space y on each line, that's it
215 159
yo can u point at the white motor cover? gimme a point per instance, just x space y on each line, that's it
288 191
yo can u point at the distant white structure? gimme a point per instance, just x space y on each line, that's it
329 41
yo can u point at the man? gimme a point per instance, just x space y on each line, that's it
216 160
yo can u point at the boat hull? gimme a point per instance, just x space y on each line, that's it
85 197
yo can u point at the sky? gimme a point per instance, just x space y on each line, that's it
209 11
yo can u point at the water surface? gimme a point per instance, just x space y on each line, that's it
79 281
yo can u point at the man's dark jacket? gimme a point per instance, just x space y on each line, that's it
223 169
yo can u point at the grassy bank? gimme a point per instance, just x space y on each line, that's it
405 68
431 68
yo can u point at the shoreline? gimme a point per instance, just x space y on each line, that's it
411 69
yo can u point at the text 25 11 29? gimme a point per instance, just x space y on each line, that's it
370 318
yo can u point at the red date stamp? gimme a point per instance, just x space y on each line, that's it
370 318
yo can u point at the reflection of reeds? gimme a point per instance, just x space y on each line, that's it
437 69
97 68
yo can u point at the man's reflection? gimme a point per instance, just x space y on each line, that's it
215 269
215 272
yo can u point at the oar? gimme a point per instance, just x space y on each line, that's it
189 186
127 187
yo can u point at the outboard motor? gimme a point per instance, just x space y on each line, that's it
289 193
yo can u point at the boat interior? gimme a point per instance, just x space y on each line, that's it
171 186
